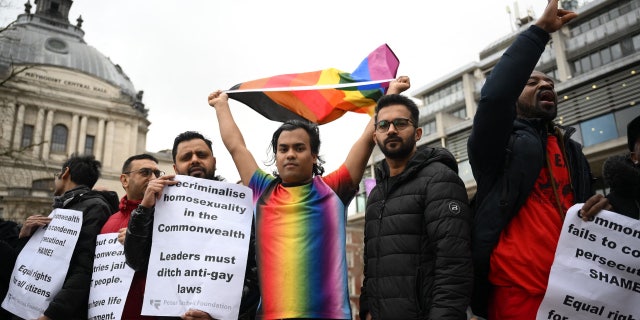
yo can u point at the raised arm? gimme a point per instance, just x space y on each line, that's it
493 121
361 150
232 137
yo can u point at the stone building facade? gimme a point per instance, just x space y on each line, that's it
59 96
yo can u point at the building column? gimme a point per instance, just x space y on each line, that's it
133 140
564 69
99 139
73 134
48 128
82 135
108 145
469 90
37 135
18 124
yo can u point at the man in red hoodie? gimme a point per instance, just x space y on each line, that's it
137 171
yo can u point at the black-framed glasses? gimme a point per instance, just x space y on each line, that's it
145 172
398 123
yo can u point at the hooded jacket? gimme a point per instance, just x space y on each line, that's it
623 177
417 242
70 303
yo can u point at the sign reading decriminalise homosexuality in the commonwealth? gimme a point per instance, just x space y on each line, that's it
596 270
201 233
42 265
111 279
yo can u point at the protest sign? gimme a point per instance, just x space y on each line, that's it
596 269
111 279
199 253
42 265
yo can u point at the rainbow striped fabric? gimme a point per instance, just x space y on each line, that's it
321 96
300 246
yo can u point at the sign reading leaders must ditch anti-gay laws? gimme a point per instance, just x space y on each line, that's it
201 233
596 269
42 265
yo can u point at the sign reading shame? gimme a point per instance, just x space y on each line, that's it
111 279
42 265
596 270
201 233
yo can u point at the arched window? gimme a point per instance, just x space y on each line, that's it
59 139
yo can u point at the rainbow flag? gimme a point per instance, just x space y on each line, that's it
321 96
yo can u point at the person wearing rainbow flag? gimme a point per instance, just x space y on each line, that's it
300 215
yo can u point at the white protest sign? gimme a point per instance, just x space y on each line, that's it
596 270
199 253
111 279
42 265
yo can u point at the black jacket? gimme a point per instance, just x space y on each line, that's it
623 178
506 154
70 303
417 242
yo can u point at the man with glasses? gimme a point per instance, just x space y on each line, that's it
417 231
137 171
192 156
73 191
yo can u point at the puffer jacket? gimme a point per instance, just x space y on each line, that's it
71 301
623 177
417 242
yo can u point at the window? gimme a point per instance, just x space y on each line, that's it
88 144
599 130
586 64
429 128
627 47
59 139
616 52
460 113
595 60
27 136
605 55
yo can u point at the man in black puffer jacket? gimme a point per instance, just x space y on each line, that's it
417 226
73 191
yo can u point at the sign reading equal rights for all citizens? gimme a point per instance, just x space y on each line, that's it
596 270
42 265
201 234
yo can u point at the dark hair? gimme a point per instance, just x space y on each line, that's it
393 99
314 139
188 136
127 163
83 169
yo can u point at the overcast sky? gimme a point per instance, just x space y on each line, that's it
178 51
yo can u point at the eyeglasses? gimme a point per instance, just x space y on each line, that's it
398 123
145 172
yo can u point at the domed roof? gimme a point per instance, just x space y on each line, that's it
47 38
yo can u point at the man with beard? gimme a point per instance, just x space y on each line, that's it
417 255
300 215
528 172
193 156
137 171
